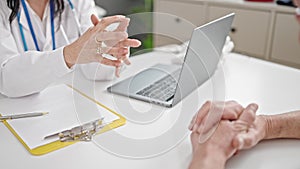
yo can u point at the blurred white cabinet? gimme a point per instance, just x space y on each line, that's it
249 29
285 44
172 22
263 30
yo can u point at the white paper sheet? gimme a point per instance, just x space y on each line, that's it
66 108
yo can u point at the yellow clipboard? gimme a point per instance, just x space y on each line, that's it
50 147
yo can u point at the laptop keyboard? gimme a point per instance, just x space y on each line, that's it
163 89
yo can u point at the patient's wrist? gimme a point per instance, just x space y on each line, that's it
272 129
208 157
263 127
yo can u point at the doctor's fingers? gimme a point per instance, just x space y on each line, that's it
105 22
129 43
120 54
124 43
124 58
123 25
109 62
95 20
121 49
111 38
117 52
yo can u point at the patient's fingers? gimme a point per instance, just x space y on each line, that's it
192 122
210 122
232 110
247 136
246 140
248 115
246 119
194 140
203 111
212 118
229 110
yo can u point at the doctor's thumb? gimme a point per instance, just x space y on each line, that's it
94 19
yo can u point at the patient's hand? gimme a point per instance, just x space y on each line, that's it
223 143
255 133
211 113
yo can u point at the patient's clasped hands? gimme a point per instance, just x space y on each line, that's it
221 129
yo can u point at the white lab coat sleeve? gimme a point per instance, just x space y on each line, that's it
26 73
92 71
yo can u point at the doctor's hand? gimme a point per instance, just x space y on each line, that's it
97 41
123 45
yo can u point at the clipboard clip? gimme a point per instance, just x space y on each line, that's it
83 132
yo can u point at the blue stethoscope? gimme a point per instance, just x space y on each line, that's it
52 6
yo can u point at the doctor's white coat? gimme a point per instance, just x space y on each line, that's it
24 73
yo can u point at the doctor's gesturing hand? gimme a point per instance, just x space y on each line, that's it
97 41
41 40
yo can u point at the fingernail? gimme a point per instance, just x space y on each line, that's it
191 126
127 62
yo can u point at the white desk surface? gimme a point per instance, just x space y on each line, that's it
275 88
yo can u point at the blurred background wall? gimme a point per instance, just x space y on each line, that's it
141 20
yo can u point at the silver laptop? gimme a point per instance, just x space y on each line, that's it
167 85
